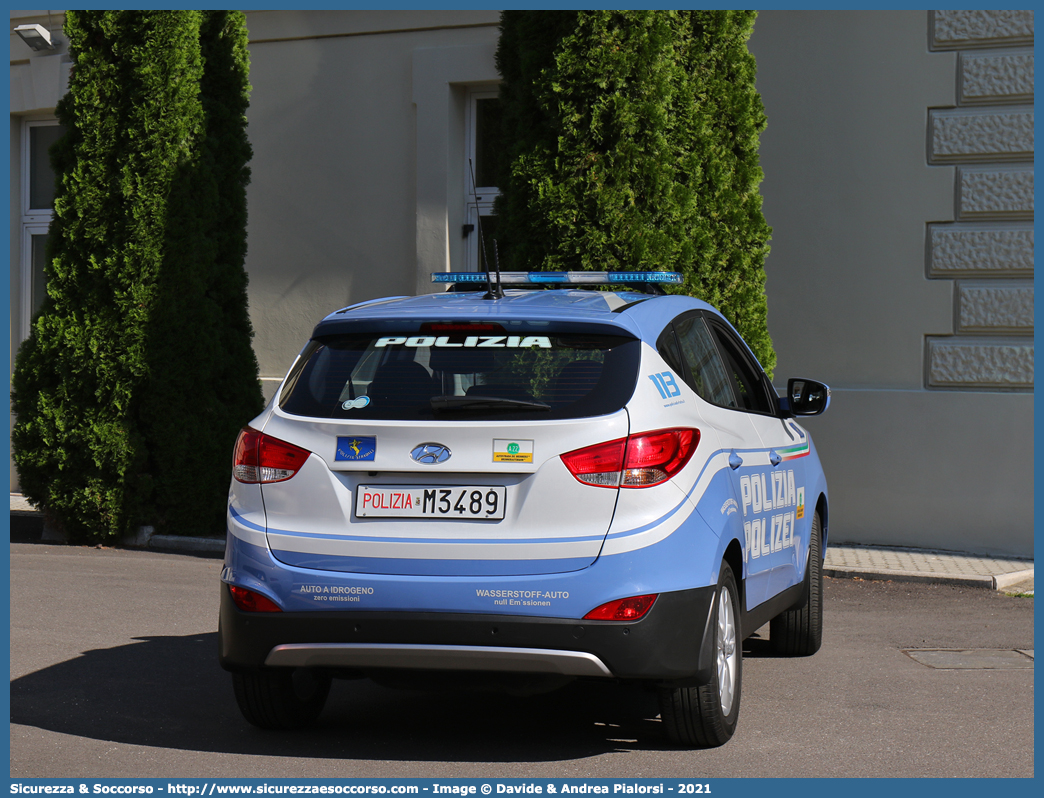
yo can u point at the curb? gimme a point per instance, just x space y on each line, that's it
995 582
178 543
1002 581
909 576
144 539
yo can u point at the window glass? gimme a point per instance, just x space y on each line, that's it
667 346
483 146
39 279
708 376
750 388
463 374
41 175
487 140
492 248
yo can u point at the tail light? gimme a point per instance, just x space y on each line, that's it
249 601
625 609
599 464
655 457
638 461
262 458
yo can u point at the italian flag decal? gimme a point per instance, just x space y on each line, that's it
791 452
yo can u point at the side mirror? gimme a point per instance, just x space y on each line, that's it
805 398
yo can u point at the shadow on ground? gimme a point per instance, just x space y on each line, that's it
169 692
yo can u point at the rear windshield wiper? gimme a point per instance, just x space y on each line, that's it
451 403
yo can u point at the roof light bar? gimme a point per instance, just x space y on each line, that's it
578 278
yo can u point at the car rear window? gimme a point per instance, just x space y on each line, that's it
461 372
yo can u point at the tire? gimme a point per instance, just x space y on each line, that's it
281 698
798 632
705 716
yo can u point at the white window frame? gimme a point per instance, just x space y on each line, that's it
478 200
35 221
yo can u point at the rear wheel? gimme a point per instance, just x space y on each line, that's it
706 716
281 698
798 632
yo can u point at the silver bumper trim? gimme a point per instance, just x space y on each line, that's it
456 658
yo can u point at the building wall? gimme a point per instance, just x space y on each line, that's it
987 252
357 122
898 181
38 80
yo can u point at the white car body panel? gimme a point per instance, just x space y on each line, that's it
552 520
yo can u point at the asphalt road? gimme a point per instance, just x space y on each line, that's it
114 674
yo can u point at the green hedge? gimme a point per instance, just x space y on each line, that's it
138 371
631 143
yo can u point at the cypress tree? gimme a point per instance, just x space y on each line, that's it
631 143
138 369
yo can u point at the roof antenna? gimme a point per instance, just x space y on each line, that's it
492 292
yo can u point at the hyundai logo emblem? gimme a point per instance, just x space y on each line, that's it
431 453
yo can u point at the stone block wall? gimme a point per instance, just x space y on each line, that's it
987 252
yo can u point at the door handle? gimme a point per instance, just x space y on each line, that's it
774 458
735 461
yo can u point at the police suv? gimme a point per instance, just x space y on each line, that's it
521 487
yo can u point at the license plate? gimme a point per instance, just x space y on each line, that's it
411 501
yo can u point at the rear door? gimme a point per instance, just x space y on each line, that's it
689 344
772 486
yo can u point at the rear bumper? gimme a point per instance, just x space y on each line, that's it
672 643
433 657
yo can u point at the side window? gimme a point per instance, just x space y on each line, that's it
707 373
747 378
667 346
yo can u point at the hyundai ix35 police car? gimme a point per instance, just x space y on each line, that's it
523 485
